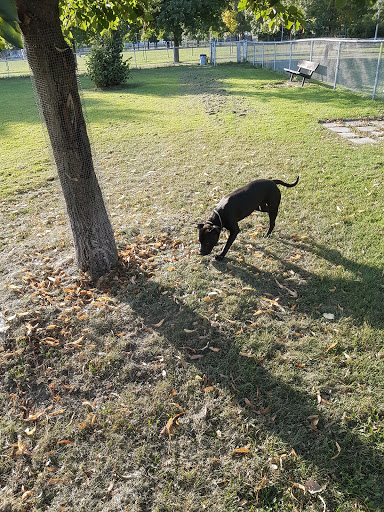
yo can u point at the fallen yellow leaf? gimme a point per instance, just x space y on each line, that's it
246 449
170 423
338 451
332 346
30 431
261 311
56 412
33 417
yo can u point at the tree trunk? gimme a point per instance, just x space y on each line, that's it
176 45
53 67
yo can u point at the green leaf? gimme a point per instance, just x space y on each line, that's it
10 31
9 28
2 43
243 5
275 13
289 24
8 10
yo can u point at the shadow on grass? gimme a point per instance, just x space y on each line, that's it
357 471
359 295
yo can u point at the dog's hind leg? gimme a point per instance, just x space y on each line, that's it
272 212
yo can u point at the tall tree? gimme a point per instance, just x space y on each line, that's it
292 13
327 18
178 16
53 67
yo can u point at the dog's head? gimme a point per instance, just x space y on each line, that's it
208 237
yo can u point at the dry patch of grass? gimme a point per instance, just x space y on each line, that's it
181 383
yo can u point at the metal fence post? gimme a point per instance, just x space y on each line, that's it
311 53
290 55
262 56
337 65
212 52
377 71
274 58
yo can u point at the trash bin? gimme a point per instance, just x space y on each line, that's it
203 59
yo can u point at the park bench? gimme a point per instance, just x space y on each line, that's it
305 69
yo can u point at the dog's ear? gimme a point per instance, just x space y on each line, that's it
214 228
200 225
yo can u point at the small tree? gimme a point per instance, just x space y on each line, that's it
105 64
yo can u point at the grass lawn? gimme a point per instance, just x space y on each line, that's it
179 383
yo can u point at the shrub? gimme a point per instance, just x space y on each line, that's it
105 65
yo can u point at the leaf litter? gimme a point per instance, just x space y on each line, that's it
67 340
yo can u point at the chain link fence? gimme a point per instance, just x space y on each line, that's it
354 64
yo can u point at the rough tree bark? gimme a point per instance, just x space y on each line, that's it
53 67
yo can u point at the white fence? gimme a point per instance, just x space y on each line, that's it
350 63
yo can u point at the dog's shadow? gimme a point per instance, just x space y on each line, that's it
358 294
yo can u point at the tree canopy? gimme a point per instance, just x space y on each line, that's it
171 15
275 12
84 14
178 16
101 15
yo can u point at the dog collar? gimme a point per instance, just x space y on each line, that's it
218 214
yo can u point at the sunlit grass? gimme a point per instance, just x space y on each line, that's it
276 352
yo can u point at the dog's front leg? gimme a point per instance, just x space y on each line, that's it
234 231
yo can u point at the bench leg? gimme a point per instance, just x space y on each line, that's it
302 83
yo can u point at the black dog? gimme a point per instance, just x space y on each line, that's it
261 195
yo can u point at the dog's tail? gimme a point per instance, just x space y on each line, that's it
278 182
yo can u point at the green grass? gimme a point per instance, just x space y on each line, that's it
241 347
142 58
23 150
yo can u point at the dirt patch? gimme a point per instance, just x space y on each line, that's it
214 97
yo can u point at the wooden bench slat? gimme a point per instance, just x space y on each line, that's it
308 66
